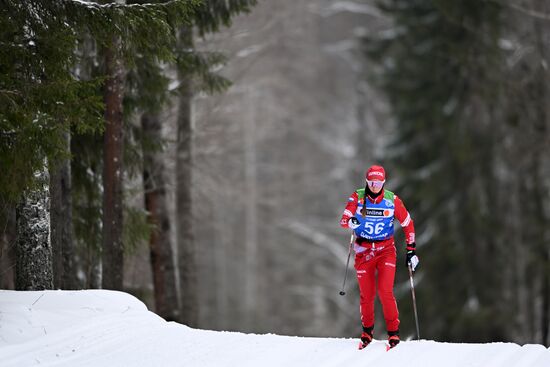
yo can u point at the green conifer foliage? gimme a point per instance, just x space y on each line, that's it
212 14
40 97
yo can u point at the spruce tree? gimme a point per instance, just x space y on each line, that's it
438 66
113 145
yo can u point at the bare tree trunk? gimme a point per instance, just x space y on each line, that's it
162 257
251 216
7 248
112 255
545 314
540 179
34 252
64 272
186 247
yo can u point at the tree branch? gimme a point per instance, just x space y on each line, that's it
530 12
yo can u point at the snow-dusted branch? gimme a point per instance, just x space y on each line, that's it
94 5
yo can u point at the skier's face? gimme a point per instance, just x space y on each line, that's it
375 186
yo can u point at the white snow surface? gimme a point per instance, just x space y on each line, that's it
107 328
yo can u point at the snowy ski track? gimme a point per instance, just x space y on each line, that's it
106 328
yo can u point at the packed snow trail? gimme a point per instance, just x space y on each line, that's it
105 328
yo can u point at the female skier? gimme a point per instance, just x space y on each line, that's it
370 213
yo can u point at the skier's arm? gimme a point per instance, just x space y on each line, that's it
405 219
351 207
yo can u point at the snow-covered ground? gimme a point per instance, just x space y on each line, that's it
104 328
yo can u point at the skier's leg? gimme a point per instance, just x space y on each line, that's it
365 269
386 277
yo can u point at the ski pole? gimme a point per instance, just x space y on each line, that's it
414 301
343 292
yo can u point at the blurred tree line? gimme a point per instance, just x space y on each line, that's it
468 87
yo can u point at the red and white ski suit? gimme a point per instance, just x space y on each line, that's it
373 257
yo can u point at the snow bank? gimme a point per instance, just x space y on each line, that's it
105 328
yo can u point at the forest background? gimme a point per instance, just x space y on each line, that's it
199 155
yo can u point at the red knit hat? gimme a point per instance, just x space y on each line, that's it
376 173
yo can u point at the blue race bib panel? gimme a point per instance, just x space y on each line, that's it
377 222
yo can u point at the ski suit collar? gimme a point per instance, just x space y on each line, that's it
377 199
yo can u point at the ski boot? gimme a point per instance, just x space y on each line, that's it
366 337
393 338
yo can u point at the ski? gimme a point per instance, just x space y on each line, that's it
388 347
362 346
